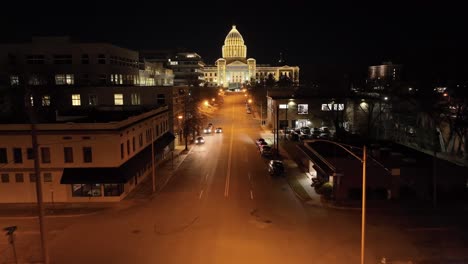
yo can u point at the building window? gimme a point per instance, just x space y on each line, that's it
118 99
86 190
85 59
87 155
133 144
68 154
161 99
32 177
30 153
47 177
121 150
101 59
5 178
113 189
140 140
46 100
93 100
283 106
102 79
135 99
3 155
17 155
34 80
35 59
45 155
19 177
128 147
14 80
63 59
64 79
76 100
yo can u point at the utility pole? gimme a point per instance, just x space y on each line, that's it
37 171
152 156
363 220
434 170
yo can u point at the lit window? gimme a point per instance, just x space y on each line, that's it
14 80
46 100
283 106
31 99
135 99
118 99
64 79
302 109
76 100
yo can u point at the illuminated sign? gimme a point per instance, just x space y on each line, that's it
332 107
302 109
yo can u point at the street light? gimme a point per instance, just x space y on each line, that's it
363 160
206 103
250 101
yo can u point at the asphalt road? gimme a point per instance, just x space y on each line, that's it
221 206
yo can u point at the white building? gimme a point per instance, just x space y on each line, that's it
234 69
83 161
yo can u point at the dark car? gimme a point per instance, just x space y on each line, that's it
275 167
266 151
262 144
219 130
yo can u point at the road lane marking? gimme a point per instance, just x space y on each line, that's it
228 176
206 177
201 194
251 195
249 176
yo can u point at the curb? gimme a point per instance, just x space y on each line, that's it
48 216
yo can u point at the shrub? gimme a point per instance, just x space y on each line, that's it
326 190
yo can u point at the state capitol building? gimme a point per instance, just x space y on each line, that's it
234 69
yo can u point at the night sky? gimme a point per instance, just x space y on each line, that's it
328 41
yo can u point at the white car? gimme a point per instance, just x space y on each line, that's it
199 140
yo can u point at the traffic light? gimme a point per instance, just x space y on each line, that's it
9 230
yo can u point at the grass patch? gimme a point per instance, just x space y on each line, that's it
297 188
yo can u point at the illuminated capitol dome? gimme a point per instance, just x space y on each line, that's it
234 47
234 69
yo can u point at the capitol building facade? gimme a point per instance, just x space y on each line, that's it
234 69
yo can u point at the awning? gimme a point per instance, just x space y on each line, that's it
115 174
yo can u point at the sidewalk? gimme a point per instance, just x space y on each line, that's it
142 192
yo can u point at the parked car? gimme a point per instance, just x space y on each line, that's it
219 130
275 167
266 151
315 132
199 140
261 144
305 130
259 140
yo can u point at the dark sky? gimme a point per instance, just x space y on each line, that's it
327 40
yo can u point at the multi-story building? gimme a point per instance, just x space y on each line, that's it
186 66
61 76
386 72
98 157
234 69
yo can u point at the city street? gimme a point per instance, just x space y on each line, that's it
221 206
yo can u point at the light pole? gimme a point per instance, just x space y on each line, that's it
363 160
